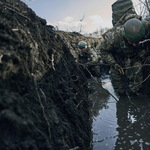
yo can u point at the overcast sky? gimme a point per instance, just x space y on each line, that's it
66 14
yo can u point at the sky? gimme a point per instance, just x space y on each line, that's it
66 14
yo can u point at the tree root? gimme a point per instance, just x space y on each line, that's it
42 107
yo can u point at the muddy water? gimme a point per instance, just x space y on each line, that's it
119 126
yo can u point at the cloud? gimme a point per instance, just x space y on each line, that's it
78 23
48 23
68 19
97 19
69 24
63 23
89 24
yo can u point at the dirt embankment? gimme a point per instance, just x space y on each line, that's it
72 39
43 91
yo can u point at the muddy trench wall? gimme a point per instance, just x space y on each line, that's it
43 91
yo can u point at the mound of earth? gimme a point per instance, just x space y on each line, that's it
43 90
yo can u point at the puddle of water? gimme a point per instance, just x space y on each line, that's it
115 127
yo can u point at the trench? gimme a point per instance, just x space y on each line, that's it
115 127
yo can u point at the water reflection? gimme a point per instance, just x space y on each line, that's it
133 124
100 97
115 127
103 114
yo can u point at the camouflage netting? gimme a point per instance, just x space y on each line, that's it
43 91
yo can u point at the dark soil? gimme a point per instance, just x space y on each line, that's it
43 90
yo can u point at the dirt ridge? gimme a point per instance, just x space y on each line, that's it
44 95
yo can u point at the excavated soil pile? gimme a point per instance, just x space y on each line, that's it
43 90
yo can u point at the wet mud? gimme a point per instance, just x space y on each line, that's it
43 90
